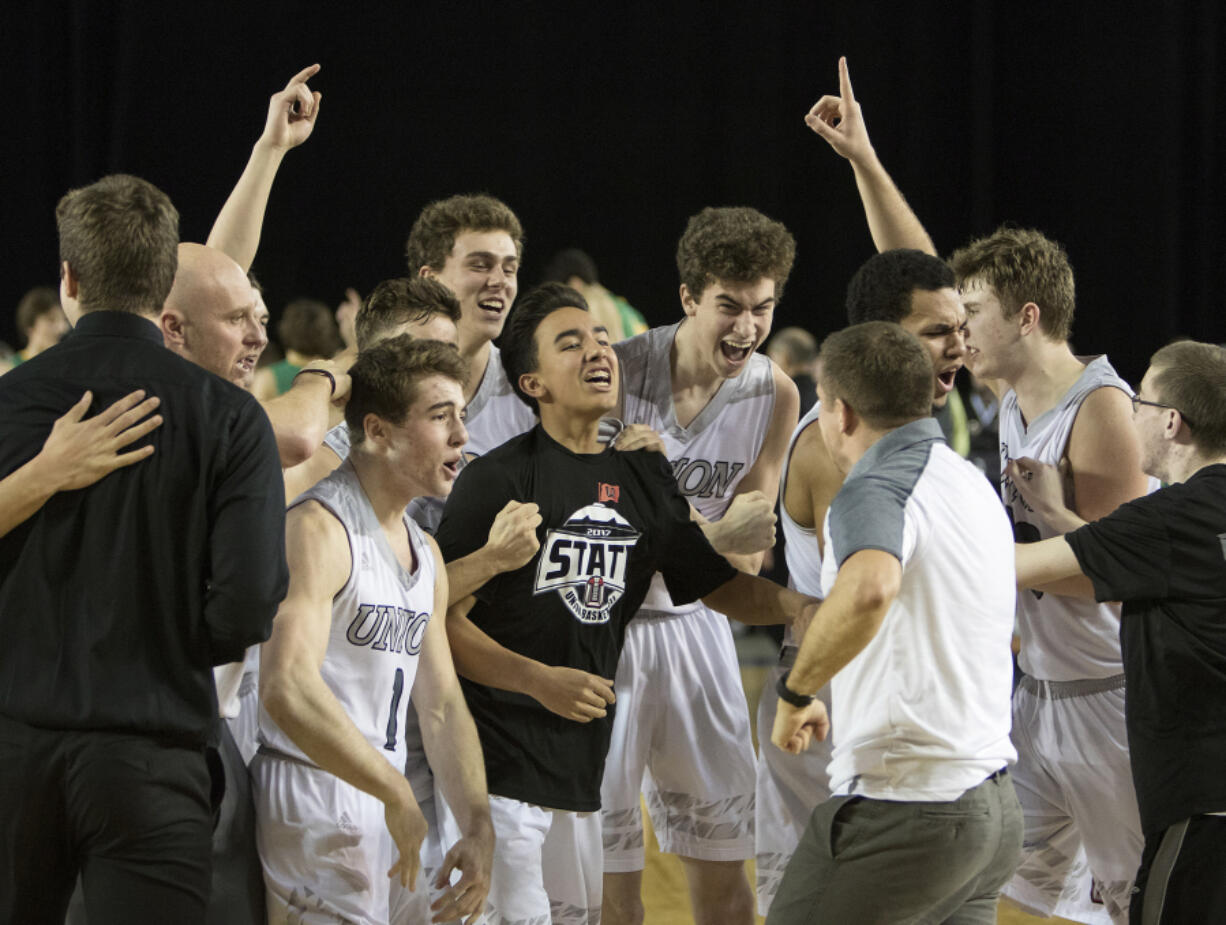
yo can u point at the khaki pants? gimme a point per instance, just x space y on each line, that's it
879 861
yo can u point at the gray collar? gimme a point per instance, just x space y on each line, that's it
925 430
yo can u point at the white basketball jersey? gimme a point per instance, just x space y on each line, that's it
379 620
717 449
426 512
804 556
1063 638
496 413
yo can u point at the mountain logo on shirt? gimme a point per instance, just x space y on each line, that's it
585 561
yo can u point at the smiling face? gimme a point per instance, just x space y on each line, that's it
576 368
729 321
482 271
424 448
938 320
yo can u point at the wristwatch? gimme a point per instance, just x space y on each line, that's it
787 695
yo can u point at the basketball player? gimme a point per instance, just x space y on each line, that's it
334 806
473 246
726 422
542 642
420 307
1017 287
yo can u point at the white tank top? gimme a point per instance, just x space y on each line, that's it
717 449
800 547
496 413
379 620
1063 638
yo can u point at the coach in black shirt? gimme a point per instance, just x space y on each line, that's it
1164 556
117 600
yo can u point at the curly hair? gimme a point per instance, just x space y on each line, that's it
434 233
881 289
1022 265
734 245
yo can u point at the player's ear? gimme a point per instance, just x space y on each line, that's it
688 303
1028 318
427 272
531 384
374 427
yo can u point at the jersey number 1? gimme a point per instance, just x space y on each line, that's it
397 690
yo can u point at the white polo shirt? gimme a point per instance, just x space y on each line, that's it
922 713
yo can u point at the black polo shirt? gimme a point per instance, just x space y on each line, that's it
1164 557
117 600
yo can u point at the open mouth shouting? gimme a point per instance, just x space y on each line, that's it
600 377
945 378
736 351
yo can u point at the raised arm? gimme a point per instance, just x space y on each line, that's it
301 415
891 222
291 119
454 753
78 453
295 695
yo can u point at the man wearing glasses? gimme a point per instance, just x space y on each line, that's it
1164 556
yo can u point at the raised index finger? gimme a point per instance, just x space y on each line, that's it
303 76
845 82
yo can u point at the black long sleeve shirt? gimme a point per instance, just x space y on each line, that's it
116 600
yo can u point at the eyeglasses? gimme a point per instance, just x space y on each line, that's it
1137 401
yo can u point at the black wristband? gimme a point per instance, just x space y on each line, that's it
787 695
319 372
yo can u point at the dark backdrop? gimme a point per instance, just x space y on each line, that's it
604 125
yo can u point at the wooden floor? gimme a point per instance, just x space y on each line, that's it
664 894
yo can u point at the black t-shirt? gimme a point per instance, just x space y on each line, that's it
610 520
1164 556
